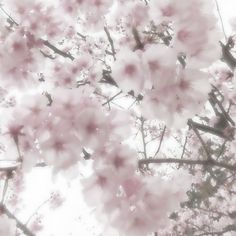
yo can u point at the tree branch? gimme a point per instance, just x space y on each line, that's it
188 162
111 42
143 137
162 136
192 125
57 51
227 56
19 224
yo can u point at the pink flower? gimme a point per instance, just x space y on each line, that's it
178 97
56 200
158 59
128 71
61 150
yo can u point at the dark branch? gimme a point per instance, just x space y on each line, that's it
161 140
58 51
111 42
19 224
227 56
188 162
195 129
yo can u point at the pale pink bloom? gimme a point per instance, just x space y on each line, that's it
56 200
132 186
61 150
164 10
144 216
158 59
221 73
43 21
100 187
119 123
119 158
39 18
90 10
65 74
128 71
30 153
18 60
34 109
91 125
178 97
96 6
36 225
21 7
135 14
203 50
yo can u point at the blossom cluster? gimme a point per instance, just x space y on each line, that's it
157 52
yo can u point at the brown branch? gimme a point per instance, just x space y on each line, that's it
107 78
110 99
188 162
41 164
57 51
139 44
8 168
228 228
10 18
224 113
184 147
210 130
82 36
111 42
227 56
193 126
143 137
162 136
47 55
19 224
86 154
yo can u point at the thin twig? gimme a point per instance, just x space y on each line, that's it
82 36
162 136
184 147
139 44
5 189
111 42
8 15
221 20
192 125
110 99
222 149
143 137
37 209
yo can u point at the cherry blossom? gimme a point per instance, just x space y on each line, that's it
128 71
135 99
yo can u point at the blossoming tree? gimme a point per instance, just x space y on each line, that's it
143 91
